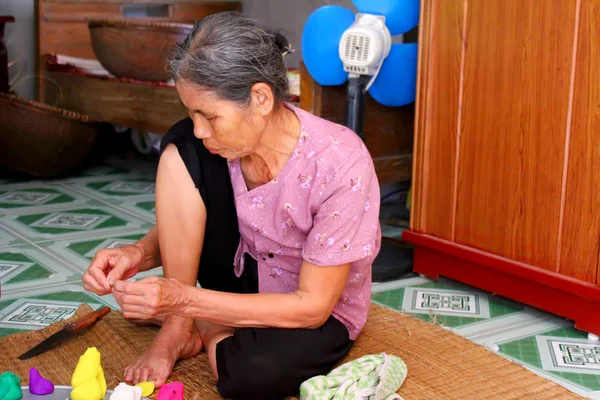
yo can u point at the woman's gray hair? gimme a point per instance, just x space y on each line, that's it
228 53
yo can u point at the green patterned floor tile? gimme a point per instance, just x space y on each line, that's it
87 249
29 197
77 297
32 273
123 188
7 331
557 352
147 205
63 222
28 265
446 304
104 170
7 239
38 311
79 252
70 296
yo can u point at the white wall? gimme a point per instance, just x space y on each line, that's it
290 16
20 40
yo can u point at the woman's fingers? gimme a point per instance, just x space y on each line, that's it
95 276
92 283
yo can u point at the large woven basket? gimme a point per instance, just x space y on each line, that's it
136 49
43 141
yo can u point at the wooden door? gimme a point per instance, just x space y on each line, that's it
507 142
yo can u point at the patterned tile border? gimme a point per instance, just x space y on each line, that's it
446 303
569 355
562 353
37 196
37 312
69 222
117 189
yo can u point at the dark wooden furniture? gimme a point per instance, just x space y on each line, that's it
4 55
62 25
506 193
144 106
388 130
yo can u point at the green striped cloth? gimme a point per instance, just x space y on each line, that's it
372 377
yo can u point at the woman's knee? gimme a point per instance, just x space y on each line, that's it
254 376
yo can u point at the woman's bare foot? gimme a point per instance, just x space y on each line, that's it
170 344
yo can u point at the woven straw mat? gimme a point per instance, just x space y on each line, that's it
441 365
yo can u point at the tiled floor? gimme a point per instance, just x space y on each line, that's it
49 231
544 343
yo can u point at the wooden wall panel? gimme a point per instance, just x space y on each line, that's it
514 119
441 48
578 257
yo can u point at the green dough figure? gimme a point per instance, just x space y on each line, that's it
10 387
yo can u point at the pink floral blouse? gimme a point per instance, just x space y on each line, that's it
323 207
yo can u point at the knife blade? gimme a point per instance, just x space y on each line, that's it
65 333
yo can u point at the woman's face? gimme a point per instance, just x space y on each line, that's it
226 128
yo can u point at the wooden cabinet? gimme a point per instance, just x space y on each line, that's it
506 170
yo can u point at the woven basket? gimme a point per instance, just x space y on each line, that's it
41 140
135 49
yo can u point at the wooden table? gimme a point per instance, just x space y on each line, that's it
4 55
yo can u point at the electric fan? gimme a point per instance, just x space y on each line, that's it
338 47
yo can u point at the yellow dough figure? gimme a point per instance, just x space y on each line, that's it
147 388
88 380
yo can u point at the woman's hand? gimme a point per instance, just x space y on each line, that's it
150 298
111 265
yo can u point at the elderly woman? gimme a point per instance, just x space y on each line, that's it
272 210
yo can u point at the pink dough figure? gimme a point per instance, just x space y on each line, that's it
171 391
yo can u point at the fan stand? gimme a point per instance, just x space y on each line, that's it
394 260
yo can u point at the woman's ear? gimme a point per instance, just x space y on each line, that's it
262 98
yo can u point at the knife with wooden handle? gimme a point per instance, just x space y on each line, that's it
65 333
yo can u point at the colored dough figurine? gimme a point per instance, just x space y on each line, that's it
171 391
38 384
125 392
10 387
147 388
88 378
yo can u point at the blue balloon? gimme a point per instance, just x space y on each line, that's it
320 42
396 84
400 15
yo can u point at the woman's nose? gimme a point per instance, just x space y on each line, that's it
201 131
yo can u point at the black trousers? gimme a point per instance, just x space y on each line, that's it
254 363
